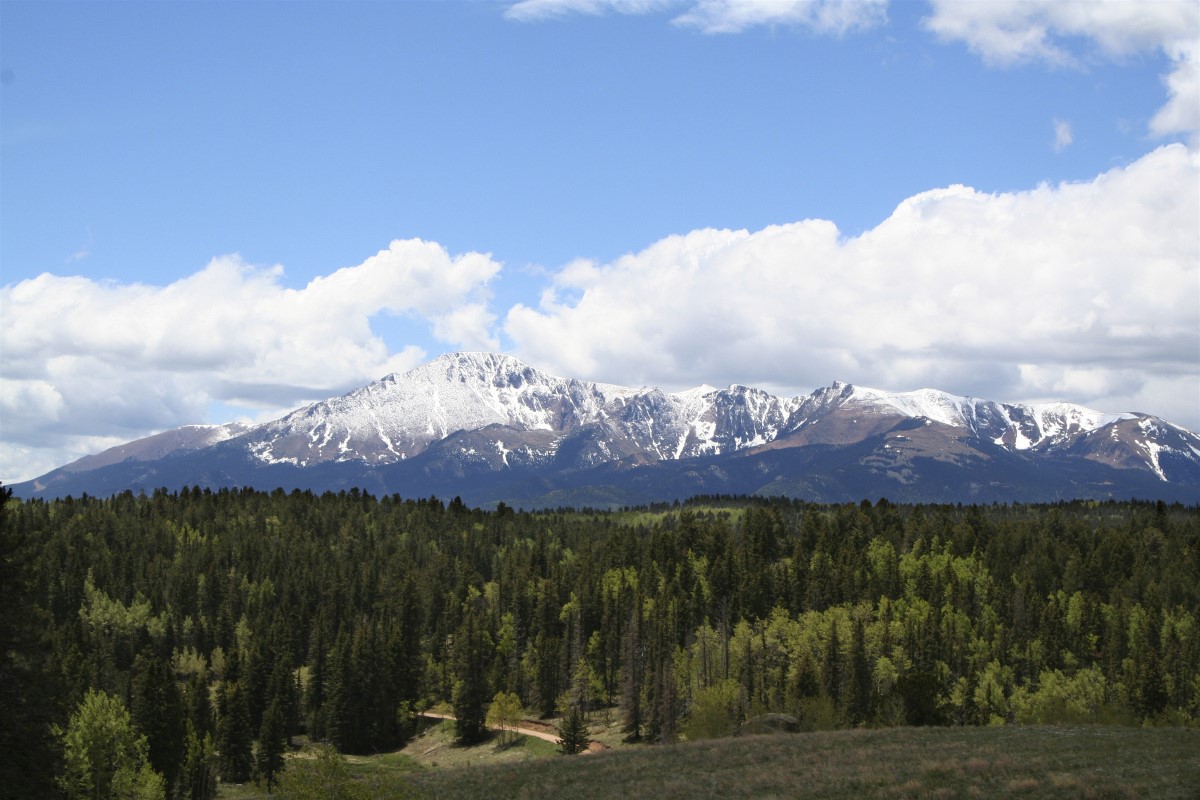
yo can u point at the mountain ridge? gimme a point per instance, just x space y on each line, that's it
490 420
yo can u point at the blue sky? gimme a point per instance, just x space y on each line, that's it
212 210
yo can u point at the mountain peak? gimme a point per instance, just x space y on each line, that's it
474 365
696 392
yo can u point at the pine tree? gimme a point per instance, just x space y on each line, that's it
632 718
234 738
315 691
271 741
157 711
199 706
198 775
573 732
831 667
334 721
471 694
859 687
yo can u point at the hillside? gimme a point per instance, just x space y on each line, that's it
1013 761
910 762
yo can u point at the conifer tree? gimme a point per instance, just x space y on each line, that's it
271 741
198 775
234 737
157 711
573 732
632 717
831 667
471 693
859 688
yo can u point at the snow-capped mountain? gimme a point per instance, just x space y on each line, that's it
400 416
491 428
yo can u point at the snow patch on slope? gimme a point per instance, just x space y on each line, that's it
938 406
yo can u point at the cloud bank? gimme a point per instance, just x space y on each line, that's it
87 364
1083 291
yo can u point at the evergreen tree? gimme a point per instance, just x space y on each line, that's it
271 741
573 732
632 718
315 691
198 775
334 720
831 667
234 737
858 705
471 693
157 711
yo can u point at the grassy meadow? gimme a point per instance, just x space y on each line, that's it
997 762
1001 762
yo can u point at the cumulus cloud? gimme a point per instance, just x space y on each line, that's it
1007 32
87 362
722 16
1088 292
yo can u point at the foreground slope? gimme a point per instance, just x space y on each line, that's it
900 762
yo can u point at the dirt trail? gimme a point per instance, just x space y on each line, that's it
540 730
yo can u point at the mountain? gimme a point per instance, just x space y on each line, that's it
491 429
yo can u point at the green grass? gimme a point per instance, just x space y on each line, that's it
1007 762
239 791
433 748
896 763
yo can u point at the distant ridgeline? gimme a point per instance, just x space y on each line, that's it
249 617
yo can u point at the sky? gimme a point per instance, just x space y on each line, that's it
215 211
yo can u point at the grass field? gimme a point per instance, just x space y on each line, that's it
896 763
1005 762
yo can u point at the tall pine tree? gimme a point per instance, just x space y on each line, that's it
472 646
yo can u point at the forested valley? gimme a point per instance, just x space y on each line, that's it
198 633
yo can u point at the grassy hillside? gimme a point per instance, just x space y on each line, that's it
1000 762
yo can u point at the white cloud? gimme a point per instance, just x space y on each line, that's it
85 361
1088 292
538 10
1062 135
1181 114
821 16
721 16
1007 32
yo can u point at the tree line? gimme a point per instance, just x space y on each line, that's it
191 635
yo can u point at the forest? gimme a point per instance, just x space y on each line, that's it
193 635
